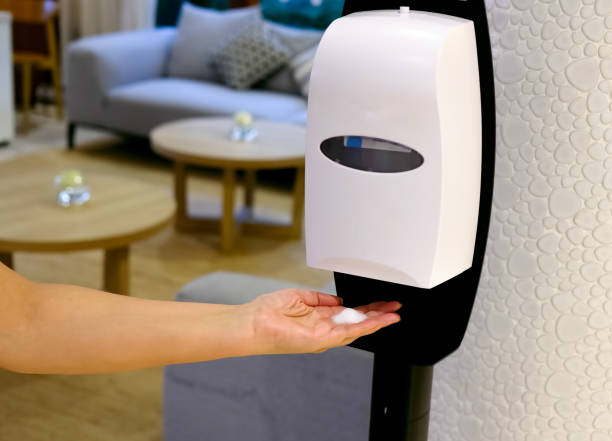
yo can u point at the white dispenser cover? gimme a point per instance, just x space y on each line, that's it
411 80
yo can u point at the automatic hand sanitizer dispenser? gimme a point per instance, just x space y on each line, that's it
399 182
394 148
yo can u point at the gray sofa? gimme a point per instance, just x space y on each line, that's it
322 397
121 82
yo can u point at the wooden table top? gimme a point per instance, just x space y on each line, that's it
30 11
205 141
120 211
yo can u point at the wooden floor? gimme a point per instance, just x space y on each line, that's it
127 406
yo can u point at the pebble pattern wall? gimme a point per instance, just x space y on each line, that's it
536 362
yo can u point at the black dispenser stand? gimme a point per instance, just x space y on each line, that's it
433 321
404 413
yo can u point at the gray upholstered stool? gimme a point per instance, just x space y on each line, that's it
322 397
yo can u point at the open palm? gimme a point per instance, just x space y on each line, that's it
298 321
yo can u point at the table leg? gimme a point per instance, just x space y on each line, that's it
26 94
117 270
7 259
228 228
250 181
298 203
180 193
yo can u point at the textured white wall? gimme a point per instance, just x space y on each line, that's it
536 363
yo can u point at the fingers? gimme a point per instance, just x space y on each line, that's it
380 306
346 334
373 324
315 298
372 310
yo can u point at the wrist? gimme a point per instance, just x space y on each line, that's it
233 331
214 331
245 336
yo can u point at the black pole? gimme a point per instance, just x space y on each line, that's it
401 397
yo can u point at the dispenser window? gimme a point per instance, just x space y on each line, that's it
371 154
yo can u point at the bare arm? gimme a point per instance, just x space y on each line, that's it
73 330
69 329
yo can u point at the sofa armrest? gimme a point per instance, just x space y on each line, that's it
98 64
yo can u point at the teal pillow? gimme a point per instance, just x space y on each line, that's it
316 14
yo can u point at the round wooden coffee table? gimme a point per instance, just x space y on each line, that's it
205 142
121 211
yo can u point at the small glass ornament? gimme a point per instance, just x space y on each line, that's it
243 127
71 188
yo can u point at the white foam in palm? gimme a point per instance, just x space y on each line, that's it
349 316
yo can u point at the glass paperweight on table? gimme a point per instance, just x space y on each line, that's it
71 188
243 127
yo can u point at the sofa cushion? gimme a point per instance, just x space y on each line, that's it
230 288
298 40
253 54
199 32
301 66
282 81
301 397
138 108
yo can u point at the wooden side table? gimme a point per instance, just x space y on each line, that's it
205 142
121 211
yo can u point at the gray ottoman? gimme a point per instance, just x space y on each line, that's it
322 397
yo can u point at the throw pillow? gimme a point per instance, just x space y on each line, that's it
198 34
297 39
250 56
301 65
282 81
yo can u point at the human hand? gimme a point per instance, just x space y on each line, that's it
297 321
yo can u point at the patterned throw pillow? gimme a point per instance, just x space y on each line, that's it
250 56
301 66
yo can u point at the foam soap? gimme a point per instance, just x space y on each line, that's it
349 316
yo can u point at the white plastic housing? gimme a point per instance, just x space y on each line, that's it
409 78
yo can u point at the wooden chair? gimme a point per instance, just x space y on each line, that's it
36 13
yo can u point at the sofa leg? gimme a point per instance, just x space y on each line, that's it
71 134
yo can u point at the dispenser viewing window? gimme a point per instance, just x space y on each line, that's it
371 154
393 158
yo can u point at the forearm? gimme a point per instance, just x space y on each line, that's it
73 330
